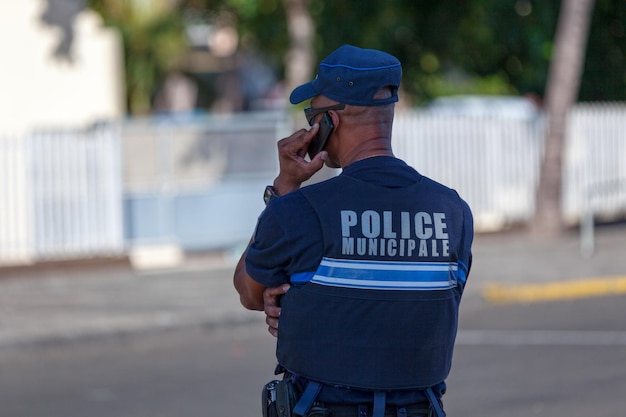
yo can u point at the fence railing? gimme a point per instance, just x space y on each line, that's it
76 190
595 159
60 195
16 240
492 162
197 183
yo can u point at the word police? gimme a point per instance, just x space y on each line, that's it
373 233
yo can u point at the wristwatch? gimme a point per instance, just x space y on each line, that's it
269 194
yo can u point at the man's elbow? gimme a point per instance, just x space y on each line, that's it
246 297
250 292
250 303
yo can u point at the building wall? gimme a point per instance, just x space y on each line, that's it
60 66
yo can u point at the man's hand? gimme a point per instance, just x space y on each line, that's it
271 297
294 169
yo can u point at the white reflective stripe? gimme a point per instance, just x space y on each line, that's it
355 283
386 274
389 265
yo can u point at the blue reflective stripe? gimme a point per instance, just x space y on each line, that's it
462 275
386 275
302 277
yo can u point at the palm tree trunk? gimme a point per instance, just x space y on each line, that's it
561 92
300 57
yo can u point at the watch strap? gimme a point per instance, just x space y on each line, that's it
269 194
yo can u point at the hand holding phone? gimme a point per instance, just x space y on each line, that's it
294 168
319 141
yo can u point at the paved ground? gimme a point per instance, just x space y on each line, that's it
62 303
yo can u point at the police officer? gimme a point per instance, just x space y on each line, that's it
375 259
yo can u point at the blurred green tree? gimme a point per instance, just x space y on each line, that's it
450 47
604 75
446 47
154 44
478 47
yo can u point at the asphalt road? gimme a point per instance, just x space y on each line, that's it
111 341
558 359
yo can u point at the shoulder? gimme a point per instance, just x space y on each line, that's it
441 188
287 240
334 183
287 206
291 214
450 197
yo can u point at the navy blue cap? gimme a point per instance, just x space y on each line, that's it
352 76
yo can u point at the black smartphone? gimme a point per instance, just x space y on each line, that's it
319 141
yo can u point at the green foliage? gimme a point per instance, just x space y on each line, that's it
266 30
261 23
250 10
446 47
605 68
477 47
154 44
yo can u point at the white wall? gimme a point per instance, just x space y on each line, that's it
39 90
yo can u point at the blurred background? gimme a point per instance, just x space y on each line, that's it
149 125
137 137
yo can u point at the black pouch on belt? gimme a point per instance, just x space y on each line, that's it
278 398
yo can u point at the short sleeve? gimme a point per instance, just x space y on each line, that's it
268 254
288 240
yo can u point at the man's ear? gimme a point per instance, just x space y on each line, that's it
335 118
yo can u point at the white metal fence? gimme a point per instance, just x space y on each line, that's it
494 162
60 196
98 192
596 162
15 201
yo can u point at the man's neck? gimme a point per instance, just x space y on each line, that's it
368 148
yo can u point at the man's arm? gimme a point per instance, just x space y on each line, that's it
250 291
294 170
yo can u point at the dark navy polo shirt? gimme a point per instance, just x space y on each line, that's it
288 239
288 243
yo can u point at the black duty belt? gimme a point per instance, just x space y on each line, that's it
365 410
378 408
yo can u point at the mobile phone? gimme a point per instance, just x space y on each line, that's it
319 141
